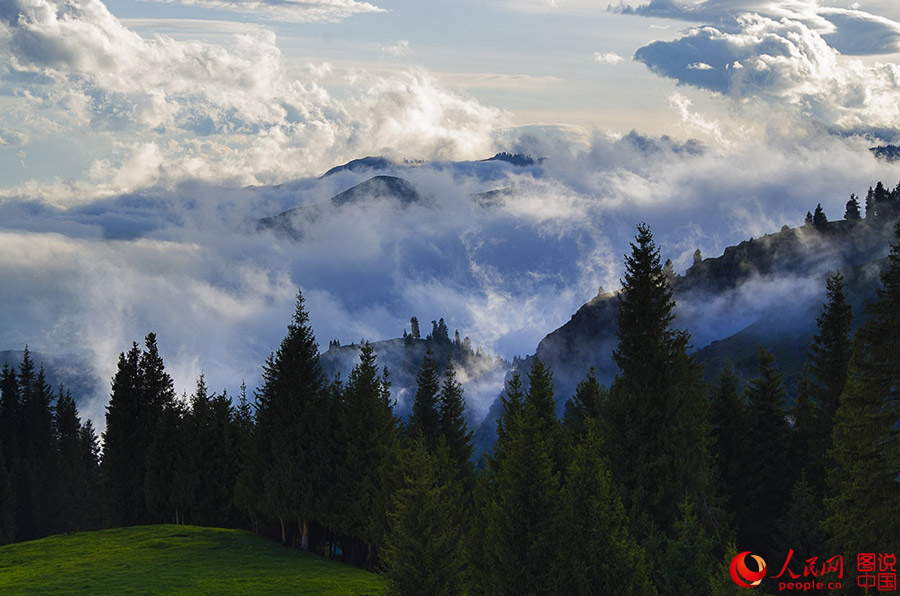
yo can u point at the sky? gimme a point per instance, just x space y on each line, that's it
140 141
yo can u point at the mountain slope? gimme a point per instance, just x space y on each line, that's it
764 291
184 560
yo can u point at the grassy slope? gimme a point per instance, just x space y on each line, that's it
181 560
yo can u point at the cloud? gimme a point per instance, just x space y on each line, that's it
160 111
295 11
851 31
607 58
782 62
401 48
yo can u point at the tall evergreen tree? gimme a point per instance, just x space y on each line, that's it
424 421
866 445
454 430
767 480
370 439
688 556
730 420
7 503
95 514
36 481
602 557
822 382
586 403
819 218
290 411
123 444
871 207
522 532
71 481
141 391
424 548
656 419
852 212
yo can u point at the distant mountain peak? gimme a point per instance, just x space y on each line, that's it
363 164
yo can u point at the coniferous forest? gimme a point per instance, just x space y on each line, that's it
650 485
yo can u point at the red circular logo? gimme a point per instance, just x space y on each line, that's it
742 575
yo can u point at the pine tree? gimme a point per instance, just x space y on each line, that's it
852 212
414 328
370 438
7 503
290 411
656 418
801 527
9 410
424 548
171 464
586 403
124 442
522 530
819 219
454 430
688 556
602 557
141 392
71 481
767 478
871 208
729 423
95 514
424 421
822 382
35 482
513 401
866 446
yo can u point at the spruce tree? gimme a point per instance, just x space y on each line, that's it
767 476
688 557
424 547
852 212
142 391
522 532
368 431
124 442
7 503
586 403
656 419
454 430
865 456
871 208
819 218
602 557
729 425
71 481
290 412
424 421
800 528
822 383
95 515
36 482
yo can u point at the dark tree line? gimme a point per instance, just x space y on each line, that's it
49 459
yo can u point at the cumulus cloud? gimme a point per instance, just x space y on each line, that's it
165 110
607 58
783 62
296 11
851 31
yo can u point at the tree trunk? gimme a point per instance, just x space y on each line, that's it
304 535
283 534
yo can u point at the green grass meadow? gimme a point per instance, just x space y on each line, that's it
179 560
